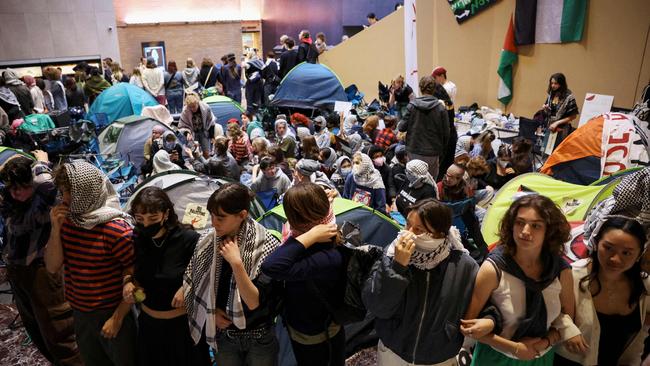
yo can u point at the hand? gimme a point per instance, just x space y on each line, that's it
476 328
58 215
546 107
331 194
40 155
542 345
320 233
179 298
112 327
222 319
173 156
553 127
229 250
525 349
127 293
404 248
510 171
577 344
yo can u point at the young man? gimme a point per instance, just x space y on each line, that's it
227 297
92 238
426 123
372 19
27 198
440 75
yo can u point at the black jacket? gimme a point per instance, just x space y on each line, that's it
307 53
409 195
427 126
208 82
24 98
288 61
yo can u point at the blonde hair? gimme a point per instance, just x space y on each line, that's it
192 98
189 62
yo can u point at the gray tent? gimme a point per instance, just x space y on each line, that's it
126 137
189 192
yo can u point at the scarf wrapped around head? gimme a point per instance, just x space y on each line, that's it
417 173
349 122
8 96
307 167
365 173
331 160
94 200
287 131
11 78
201 279
630 199
431 259
356 142
161 162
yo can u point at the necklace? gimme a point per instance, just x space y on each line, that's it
155 243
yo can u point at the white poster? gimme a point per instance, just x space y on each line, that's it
411 47
595 105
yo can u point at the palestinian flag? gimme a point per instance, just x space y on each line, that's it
549 21
506 64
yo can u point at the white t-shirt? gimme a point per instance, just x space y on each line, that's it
451 90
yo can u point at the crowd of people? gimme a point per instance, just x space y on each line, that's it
79 264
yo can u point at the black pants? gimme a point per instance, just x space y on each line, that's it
330 353
46 315
99 351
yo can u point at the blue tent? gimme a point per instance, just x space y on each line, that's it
119 101
7 152
309 86
224 109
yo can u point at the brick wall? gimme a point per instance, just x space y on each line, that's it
181 41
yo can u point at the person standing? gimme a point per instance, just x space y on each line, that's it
190 76
307 51
153 81
197 117
56 88
289 58
92 241
426 124
27 198
232 78
440 75
174 88
560 106
94 85
20 90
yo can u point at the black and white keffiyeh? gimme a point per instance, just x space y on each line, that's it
417 173
201 279
94 200
429 260
631 199
365 173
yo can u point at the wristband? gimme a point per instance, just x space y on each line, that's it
516 349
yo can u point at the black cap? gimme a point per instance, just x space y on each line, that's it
83 65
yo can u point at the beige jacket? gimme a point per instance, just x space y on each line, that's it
587 320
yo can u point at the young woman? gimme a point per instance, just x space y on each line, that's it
561 107
419 290
239 145
174 88
342 168
483 145
313 270
501 170
531 285
163 248
226 294
197 117
365 184
611 293
285 138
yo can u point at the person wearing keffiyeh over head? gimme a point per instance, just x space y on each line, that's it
365 184
226 294
313 269
92 236
420 186
530 284
420 289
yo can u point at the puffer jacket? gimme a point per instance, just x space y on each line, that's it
426 124
418 312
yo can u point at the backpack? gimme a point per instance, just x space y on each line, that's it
359 260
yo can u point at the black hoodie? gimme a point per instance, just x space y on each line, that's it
427 126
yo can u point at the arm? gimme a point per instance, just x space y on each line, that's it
249 293
54 249
403 124
444 117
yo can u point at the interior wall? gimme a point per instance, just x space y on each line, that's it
197 41
33 29
613 57
376 54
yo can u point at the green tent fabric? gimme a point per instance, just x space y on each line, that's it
574 200
35 123
7 152
376 228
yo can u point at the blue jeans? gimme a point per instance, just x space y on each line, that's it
244 351
175 101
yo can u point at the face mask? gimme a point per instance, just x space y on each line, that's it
170 145
503 163
426 243
379 161
148 231
346 171
317 128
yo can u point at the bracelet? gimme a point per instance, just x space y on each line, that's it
516 349
127 279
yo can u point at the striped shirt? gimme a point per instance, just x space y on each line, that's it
95 261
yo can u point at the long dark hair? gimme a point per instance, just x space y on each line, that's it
635 274
153 200
560 79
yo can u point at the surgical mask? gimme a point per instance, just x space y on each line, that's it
170 145
379 161
426 243
346 171
503 163
148 231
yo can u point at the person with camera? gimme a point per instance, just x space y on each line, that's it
169 143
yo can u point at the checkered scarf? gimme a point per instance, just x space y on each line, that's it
429 260
94 200
201 279
417 173
630 199
366 175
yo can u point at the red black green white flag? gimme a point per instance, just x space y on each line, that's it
549 21
506 64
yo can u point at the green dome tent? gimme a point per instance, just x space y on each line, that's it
376 228
6 153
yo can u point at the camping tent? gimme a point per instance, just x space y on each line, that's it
119 101
574 200
376 228
127 136
7 152
603 146
309 86
190 192
224 109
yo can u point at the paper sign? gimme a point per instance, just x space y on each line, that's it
595 105
550 143
342 107
196 215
